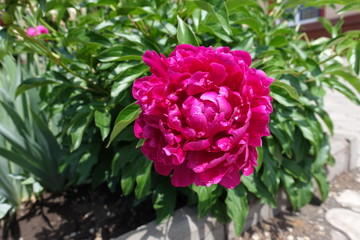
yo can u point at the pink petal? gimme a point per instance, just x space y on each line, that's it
31 31
230 180
182 176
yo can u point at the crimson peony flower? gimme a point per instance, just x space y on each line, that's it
204 112
40 29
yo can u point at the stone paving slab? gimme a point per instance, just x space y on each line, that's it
345 220
349 199
345 116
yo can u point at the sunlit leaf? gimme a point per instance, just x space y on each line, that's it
125 117
184 34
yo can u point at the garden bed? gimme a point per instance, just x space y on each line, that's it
79 213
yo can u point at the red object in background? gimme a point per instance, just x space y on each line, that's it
316 29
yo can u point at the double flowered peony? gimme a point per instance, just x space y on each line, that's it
40 29
204 112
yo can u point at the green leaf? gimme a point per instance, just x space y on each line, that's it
25 163
321 156
219 12
278 41
140 143
343 89
327 25
299 193
326 118
352 6
85 165
207 197
164 200
128 177
295 170
219 211
15 117
125 117
123 156
313 67
79 125
281 71
357 57
103 121
120 53
237 207
321 180
252 23
143 179
33 83
124 79
298 50
13 138
88 38
254 185
354 81
4 209
43 6
300 145
269 175
308 130
233 5
281 135
184 34
289 89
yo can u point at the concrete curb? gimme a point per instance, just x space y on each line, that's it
185 224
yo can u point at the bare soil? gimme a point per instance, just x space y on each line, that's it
80 213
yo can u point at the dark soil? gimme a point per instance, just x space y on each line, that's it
80 213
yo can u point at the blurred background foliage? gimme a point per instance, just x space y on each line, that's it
61 94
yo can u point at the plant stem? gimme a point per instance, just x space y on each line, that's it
57 59
322 62
137 26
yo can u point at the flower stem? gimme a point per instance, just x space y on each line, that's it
57 59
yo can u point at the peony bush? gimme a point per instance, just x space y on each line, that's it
204 112
214 104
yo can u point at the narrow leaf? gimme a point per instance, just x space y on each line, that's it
354 81
237 207
357 57
165 200
254 185
140 143
143 179
120 53
184 34
289 89
219 12
206 198
327 25
125 117
322 182
278 41
102 121
4 209
124 79
33 83
353 6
